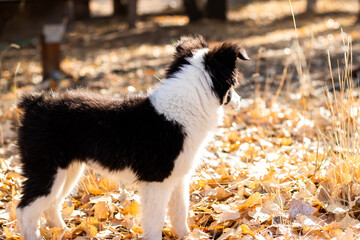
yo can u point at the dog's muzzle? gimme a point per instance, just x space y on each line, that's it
235 101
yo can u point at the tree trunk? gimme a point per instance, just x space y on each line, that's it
359 13
216 9
7 11
311 6
131 13
81 9
50 57
120 8
192 10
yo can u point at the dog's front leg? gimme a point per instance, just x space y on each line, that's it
178 208
154 199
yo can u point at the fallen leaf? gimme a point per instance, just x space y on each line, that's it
197 234
348 221
90 230
337 208
286 141
108 184
228 215
300 207
253 200
246 230
132 209
68 209
347 235
137 229
221 194
228 232
101 210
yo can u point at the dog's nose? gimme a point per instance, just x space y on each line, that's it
235 101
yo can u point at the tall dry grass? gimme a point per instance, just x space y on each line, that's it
343 138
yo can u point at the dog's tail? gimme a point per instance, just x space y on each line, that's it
30 100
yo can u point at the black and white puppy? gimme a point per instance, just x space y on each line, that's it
151 140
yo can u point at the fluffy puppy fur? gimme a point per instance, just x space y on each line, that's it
150 140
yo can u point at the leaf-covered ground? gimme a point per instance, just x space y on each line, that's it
286 166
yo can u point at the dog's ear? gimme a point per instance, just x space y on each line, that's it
220 63
242 54
184 48
188 44
227 53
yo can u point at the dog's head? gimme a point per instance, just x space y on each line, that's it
219 63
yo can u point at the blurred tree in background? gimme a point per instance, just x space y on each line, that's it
311 6
214 9
359 13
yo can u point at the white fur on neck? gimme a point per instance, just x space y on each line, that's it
187 98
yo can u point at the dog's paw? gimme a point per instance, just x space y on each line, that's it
181 234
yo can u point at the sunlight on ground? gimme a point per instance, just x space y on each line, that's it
285 167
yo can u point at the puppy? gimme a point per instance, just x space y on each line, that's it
150 140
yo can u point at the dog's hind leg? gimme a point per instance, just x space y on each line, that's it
41 188
178 208
154 199
52 214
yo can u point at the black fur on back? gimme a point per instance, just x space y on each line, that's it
184 49
59 128
220 62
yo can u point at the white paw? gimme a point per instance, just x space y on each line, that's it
181 233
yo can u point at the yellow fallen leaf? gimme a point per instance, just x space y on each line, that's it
68 209
286 141
331 226
90 230
200 183
246 230
94 189
91 221
9 234
137 229
108 184
253 200
335 232
132 209
45 232
58 233
101 210
149 72
13 175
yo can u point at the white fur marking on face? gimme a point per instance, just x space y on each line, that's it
235 101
